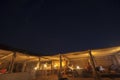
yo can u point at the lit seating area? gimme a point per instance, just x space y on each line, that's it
74 65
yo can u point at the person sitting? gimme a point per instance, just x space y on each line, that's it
113 68
101 69
88 68
3 71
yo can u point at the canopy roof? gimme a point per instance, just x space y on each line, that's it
20 56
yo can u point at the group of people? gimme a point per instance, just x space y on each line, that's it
88 69
111 69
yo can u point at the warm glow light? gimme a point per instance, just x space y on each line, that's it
45 65
55 65
78 67
63 63
35 68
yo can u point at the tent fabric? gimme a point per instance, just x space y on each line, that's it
4 54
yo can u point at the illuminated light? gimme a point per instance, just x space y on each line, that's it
55 65
63 64
35 68
78 67
45 65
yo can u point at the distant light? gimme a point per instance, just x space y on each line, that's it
55 65
35 68
78 67
45 65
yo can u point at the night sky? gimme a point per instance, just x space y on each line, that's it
46 27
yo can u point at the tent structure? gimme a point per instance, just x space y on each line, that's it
11 57
21 57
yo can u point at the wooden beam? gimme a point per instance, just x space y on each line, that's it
12 62
45 58
32 59
39 62
24 66
66 57
93 64
5 56
60 75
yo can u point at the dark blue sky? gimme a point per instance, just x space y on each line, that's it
51 26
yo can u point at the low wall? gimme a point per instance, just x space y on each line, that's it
16 76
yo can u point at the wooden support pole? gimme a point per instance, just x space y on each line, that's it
5 56
24 66
12 62
39 64
51 67
67 60
93 64
60 58
116 59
